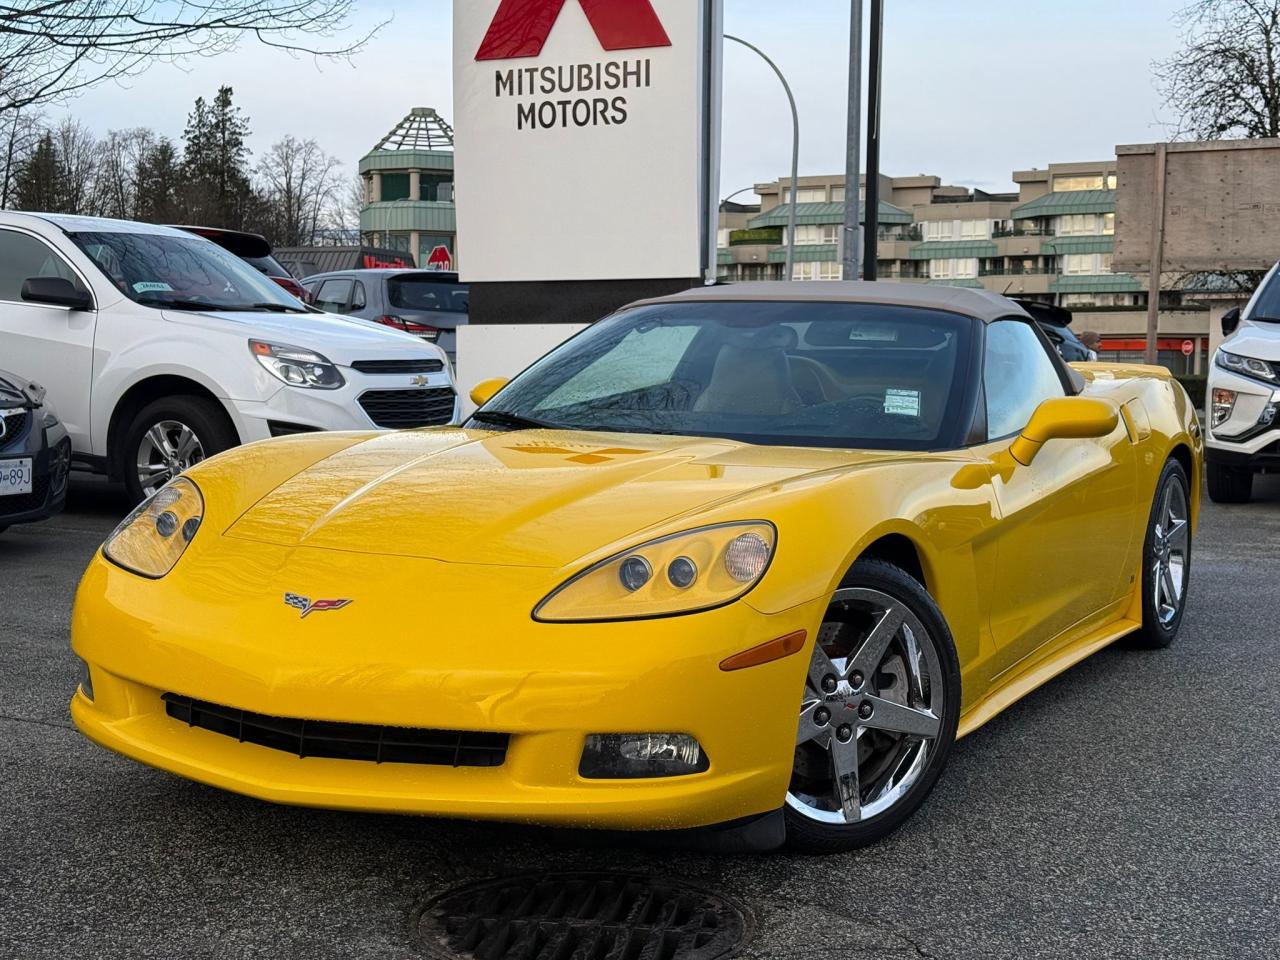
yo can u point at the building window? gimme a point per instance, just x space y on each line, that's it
1085 225
935 230
975 229
395 186
812 234
1109 224
1086 264
397 241
822 270
806 195
1069 184
837 194
722 238
964 268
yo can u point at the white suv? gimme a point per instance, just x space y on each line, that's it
1243 397
159 348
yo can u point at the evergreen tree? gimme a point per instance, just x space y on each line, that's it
39 187
160 173
215 161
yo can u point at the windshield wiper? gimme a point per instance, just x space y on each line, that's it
280 308
514 420
178 303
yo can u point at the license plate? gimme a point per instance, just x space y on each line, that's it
15 476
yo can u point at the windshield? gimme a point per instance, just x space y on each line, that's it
1265 305
181 272
804 374
423 294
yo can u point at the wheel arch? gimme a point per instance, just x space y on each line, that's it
900 550
145 391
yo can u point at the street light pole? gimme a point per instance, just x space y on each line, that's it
795 155
853 148
871 251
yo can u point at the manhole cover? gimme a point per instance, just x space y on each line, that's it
581 916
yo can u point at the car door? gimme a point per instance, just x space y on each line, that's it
48 344
1065 520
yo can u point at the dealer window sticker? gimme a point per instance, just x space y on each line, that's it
904 403
152 286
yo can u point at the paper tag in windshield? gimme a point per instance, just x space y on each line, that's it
152 286
905 403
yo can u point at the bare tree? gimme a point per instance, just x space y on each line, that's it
122 173
78 153
52 49
19 133
299 184
1225 82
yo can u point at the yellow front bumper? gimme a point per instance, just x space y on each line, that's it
435 646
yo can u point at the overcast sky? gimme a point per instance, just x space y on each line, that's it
972 90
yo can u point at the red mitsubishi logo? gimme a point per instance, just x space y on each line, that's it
521 27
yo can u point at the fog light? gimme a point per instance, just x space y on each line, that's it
86 680
1224 401
1268 415
621 756
682 572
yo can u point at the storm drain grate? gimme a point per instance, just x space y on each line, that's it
581 916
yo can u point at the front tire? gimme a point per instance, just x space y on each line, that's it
879 712
1229 484
1166 560
168 437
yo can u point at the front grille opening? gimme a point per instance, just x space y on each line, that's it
403 409
398 366
15 426
343 741
583 916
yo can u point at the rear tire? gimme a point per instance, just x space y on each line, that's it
1229 484
167 437
1166 560
872 740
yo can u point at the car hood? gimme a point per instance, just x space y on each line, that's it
341 340
526 498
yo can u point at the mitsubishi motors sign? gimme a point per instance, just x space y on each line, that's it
584 131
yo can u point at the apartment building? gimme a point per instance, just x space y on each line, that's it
408 191
1051 240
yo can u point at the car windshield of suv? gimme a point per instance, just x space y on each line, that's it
1265 305
416 292
847 375
181 272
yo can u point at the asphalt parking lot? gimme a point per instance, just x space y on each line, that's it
1127 810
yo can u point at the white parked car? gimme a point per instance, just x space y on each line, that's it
1243 396
159 348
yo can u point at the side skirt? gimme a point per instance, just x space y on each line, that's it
1041 672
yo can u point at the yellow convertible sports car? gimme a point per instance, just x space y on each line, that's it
748 558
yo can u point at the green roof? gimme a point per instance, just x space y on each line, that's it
1101 283
811 214
724 257
970 282
1062 245
1066 202
807 253
429 216
947 249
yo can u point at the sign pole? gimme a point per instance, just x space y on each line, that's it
853 147
1152 354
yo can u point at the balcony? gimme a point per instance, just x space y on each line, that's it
1045 231
761 235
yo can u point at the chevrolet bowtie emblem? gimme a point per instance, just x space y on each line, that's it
420 381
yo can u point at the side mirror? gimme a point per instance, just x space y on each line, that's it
1230 321
1064 418
56 291
485 390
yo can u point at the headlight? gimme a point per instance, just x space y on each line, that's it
1246 366
683 573
153 538
1224 401
297 367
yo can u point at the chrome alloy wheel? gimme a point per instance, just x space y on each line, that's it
871 712
1170 540
167 449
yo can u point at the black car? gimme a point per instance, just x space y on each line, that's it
35 454
1055 322
255 250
